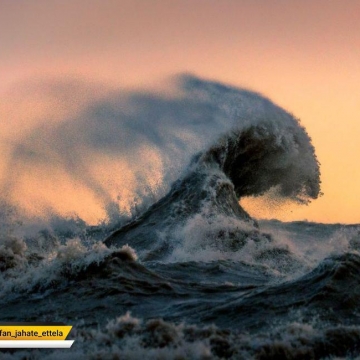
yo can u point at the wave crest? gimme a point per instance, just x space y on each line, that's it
262 147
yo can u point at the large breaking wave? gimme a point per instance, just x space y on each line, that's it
262 147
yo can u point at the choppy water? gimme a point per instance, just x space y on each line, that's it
194 276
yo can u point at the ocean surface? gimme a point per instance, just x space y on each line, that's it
193 275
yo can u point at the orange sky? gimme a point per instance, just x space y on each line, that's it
303 54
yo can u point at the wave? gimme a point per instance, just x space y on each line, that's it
329 292
263 148
244 296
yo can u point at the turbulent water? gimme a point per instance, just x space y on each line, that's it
195 276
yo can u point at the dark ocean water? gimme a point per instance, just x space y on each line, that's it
194 276
278 300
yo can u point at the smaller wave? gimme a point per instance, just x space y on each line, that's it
331 291
23 270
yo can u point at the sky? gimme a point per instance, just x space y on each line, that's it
57 56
